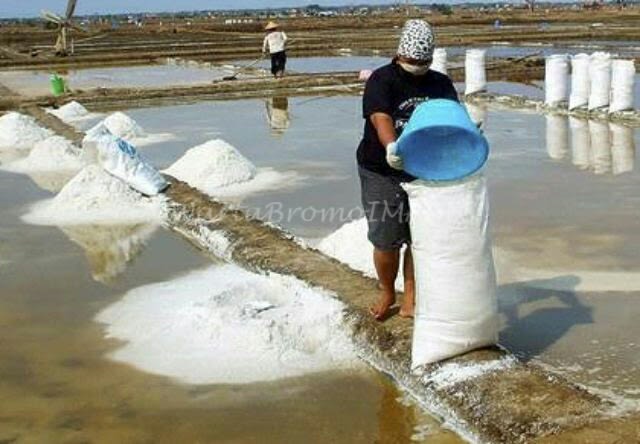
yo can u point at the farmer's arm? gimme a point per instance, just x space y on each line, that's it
383 123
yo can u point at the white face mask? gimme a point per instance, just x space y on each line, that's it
416 70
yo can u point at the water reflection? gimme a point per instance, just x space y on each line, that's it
598 146
53 181
278 114
478 113
109 249
557 136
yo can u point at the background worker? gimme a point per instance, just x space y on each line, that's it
275 42
391 95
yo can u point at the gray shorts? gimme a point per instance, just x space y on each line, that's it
386 206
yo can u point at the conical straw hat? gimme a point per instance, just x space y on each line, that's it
270 26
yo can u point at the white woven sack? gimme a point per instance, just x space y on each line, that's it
580 143
475 73
556 79
623 148
623 76
120 159
580 83
600 146
557 136
439 60
600 80
456 304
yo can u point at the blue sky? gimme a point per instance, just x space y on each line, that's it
28 8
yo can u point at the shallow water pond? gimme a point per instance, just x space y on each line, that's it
37 82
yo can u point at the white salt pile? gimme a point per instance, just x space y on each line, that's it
220 170
71 112
349 244
124 127
224 325
96 197
54 153
20 132
212 165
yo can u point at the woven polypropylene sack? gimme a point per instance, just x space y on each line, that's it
475 72
580 83
556 79
623 76
456 305
439 60
600 80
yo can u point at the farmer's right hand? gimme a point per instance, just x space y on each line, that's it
393 159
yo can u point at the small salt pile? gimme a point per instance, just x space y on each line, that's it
54 153
71 112
96 197
20 132
349 245
212 165
123 126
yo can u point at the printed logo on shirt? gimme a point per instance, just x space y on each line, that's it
405 111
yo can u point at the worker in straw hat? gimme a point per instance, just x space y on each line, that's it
391 95
275 42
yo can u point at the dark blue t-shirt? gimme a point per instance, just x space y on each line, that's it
393 91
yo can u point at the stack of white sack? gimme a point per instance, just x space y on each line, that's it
439 61
556 79
623 76
456 303
580 83
600 80
120 159
474 70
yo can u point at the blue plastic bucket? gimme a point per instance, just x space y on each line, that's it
441 142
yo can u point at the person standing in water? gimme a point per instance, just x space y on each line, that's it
391 95
275 42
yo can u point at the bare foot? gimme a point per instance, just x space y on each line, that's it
382 309
408 307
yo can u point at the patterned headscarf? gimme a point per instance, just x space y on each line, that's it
417 41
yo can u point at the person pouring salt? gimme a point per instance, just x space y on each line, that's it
391 95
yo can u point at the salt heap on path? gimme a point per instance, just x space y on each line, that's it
96 197
225 325
18 131
71 112
51 154
211 166
123 126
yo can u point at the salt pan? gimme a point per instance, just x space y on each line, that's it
96 197
20 132
225 325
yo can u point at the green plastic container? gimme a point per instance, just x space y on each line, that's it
57 85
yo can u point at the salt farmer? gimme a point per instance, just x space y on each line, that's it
275 42
391 95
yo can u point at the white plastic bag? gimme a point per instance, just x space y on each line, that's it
600 146
456 304
623 76
120 159
580 143
580 83
475 73
556 79
600 80
557 136
623 148
439 60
